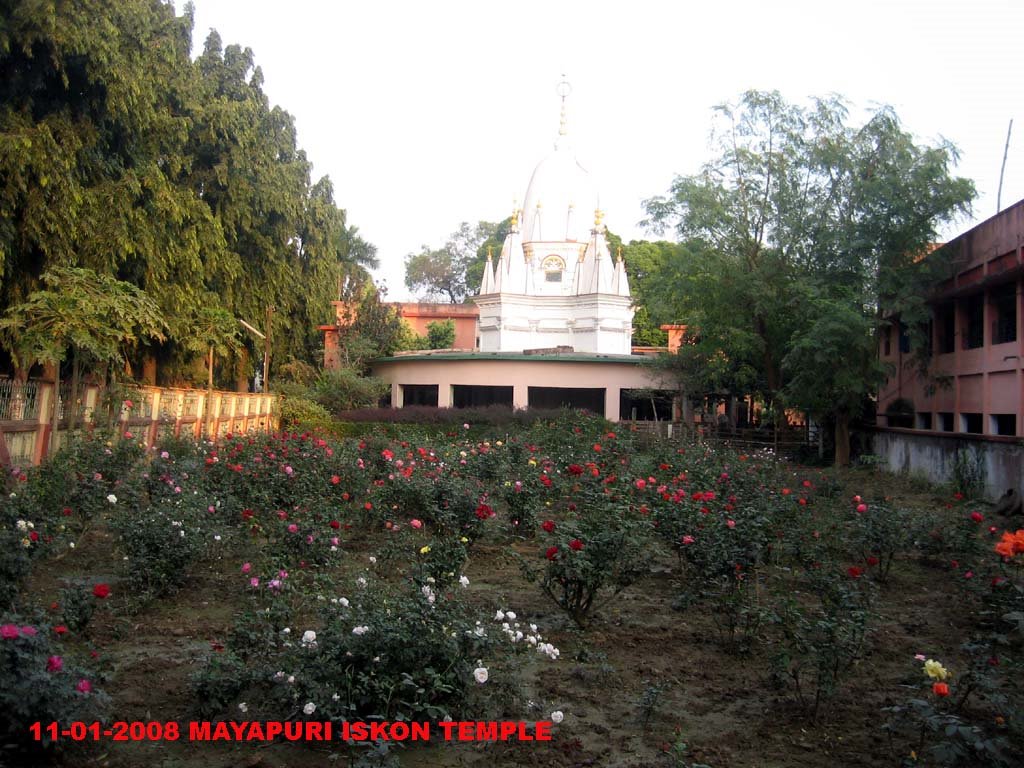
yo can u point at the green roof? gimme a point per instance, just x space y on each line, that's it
568 357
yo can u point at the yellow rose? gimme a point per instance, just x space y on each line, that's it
425 550
935 670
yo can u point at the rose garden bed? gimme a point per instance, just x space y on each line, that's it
674 603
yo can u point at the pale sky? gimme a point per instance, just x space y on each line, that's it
427 114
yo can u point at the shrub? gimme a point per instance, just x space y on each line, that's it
40 683
600 550
161 544
341 389
822 636
405 652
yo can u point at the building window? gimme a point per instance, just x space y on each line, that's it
970 423
924 421
419 394
974 321
553 398
1004 307
904 339
1003 423
945 328
887 341
945 422
480 396
553 267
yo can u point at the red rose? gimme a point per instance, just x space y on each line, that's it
872 560
60 629
550 554
977 517
854 572
575 545
335 479
940 689
335 524
102 591
548 525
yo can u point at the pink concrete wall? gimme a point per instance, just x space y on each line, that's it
518 374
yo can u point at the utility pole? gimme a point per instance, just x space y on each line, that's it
1002 170
266 347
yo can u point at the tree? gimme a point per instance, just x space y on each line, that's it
801 223
443 273
123 155
441 334
83 313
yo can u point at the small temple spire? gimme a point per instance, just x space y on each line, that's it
487 284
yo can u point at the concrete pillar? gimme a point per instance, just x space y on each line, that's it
520 396
444 394
396 395
611 403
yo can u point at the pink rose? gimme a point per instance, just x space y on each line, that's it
84 686
54 664
416 523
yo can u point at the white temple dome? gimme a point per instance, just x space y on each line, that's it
567 196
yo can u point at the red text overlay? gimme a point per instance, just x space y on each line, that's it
302 730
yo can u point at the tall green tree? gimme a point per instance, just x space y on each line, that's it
121 154
445 272
801 222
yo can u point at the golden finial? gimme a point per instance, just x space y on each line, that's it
515 215
620 253
598 218
489 247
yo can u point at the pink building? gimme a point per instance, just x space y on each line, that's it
977 353
417 314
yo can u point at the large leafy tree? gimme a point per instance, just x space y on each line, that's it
453 271
120 154
799 225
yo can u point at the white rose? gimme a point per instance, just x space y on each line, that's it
480 674
310 708
557 716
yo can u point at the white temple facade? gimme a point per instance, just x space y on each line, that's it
555 284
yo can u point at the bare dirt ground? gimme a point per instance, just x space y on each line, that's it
635 686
